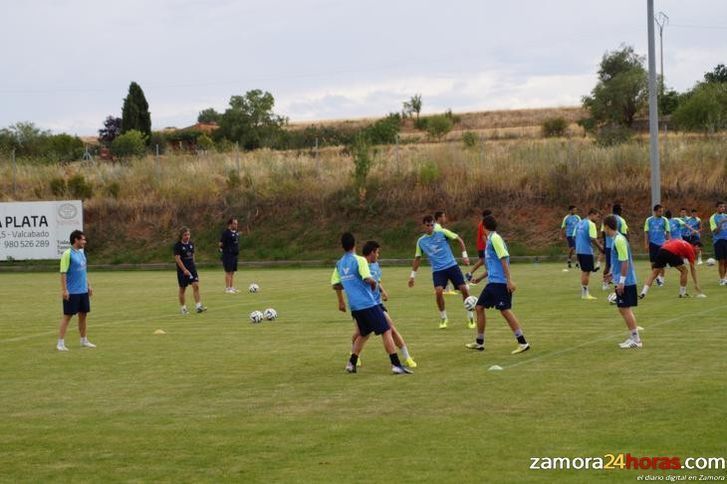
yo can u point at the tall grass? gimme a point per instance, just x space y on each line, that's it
523 180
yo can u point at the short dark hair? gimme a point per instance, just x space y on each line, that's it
438 214
369 247
427 219
571 207
489 222
616 208
75 235
694 210
658 206
684 209
230 220
593 210
348 241
182 231
486 212
667 214
610 222
720 202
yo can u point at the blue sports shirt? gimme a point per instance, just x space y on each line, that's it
376 276
585 231
496 250
350 272
621 227
437 248
621 253
569 224
73 265
657 227
676 226
718 222
696 224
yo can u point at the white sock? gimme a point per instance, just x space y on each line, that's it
84 339
198 305
405 352
682 290
61 342
443 314
471 315
635 335
184 307
645 289
584 290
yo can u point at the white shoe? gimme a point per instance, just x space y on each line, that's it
87 344
61 348
401 370
630 343
184 311
234 290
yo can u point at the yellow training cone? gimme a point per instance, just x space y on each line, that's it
160 331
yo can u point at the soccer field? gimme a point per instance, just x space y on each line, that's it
220 399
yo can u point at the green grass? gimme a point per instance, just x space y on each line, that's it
220 399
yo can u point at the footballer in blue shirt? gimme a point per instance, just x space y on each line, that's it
498 291
656 232
352 274
587 235
624 276
568 228
75 290
718 226
435 244
693 236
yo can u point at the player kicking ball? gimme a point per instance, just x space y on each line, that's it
674 253
624 276
498 292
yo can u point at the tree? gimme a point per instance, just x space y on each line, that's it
621 91
111 129
135 113
438 126
131 143
413 105
703 109
718 75
208 115
250 121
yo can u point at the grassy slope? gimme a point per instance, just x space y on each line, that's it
220 399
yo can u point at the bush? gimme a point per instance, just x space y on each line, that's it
205 143
612 135
429 173
158 139
469 139
360 151
554 127
704 109
384 131
63 147
438 126
58 187
113 189
421 123
132 143
79 187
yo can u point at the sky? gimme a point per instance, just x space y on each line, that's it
67 64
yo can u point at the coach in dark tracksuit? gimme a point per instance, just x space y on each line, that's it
230 248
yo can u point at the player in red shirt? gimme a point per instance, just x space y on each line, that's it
481 246
674 252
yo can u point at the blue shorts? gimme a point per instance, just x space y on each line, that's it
453 274
495 295
185 281
628 299
383 308
720 249
229 262
77 303
371 320
571 242
653 251
586 262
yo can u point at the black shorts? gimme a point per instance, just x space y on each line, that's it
229 262
383 308
571 242
664 257
453 274
77 303
586 262
185 281
720 249
481 254
371 320
495 295
653 250
607 255
628 299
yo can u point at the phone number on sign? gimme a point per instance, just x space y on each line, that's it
25 244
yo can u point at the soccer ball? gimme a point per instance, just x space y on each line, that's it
256 317
270 314
253 288
711 261
470 302
612 298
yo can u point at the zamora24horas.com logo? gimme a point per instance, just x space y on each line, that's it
627 461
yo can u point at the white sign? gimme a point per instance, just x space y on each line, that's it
38 230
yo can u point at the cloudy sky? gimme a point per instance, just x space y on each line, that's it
67 64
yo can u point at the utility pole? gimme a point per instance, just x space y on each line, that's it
653 110
662 20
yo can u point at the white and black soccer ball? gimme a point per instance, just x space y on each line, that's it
253 288
711 261
470 302
612 298
256 317
270 314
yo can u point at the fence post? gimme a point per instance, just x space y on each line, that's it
15 169
398 170
237 157
159 166
317 159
